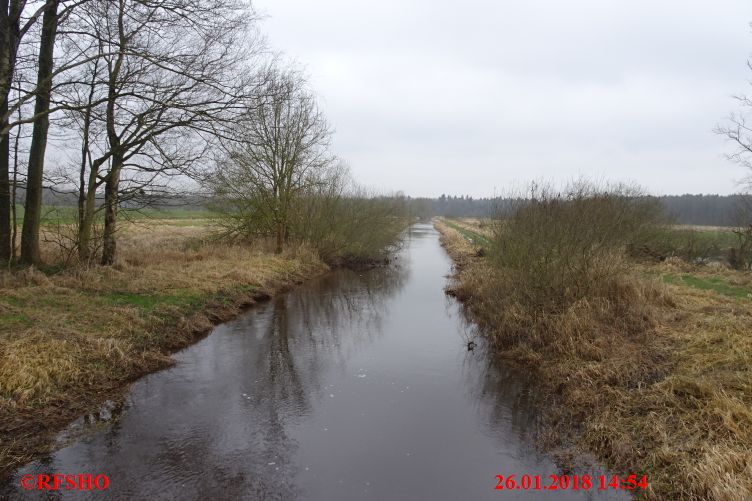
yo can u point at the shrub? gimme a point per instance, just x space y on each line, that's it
740 256
342 222
555 247
347 225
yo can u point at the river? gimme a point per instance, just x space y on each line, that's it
356 385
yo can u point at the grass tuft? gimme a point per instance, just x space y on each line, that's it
652 375
69 340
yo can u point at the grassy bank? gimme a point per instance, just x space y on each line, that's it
652 375
472 230
71 339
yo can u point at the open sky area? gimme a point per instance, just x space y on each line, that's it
431 96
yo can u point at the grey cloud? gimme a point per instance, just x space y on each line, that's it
436 96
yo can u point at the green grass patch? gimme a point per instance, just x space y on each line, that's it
716 284
718 238
54 215
172 213
51 215
690 244
12 321
471 236
725 239
13 301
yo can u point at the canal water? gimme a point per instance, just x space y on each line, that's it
355 386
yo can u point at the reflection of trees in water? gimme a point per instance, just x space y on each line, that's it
506 396
292 341
324 322
420 230
302 334
314 327
245 474
286 348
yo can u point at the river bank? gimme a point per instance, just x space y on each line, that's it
71 340
357 384
670 398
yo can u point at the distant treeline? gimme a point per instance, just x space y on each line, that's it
710 210
706 210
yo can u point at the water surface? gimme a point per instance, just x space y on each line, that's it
357 385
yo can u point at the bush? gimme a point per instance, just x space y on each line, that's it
555 248
342 222
740 257
346 225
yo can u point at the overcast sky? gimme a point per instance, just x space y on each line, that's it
432 96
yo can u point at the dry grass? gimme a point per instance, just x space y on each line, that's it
657 380
68 340
458 247
698 227
481 226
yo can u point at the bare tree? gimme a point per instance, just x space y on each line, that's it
161 78
280 152
740 257
738 130
17 19
12 28
169 77
35 172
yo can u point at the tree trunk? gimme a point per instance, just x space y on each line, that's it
112 181
5 230
14 187
87 192
33 206
280 237
111 187
7 62
86 222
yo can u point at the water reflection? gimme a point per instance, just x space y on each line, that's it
354 386
220 420
499 390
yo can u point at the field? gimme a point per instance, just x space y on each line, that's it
54 215
668 394
71 339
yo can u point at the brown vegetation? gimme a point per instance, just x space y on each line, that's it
653 378
68 340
